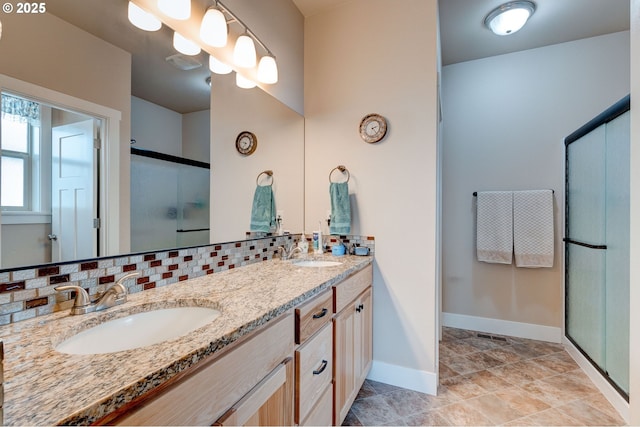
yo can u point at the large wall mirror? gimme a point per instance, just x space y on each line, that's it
96 75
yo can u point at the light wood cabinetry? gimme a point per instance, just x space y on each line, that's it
352 340
251 378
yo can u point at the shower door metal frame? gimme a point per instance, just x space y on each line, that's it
611 113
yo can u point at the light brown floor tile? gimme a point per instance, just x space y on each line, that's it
463 387
462 364
488 381
504 354
494 408
457 334
521 400
513 374
444 397
458 347
463 414
382 387
431 418
558 390
601 403
407 402
484 343
550 417
483 359
587 414
351 420
555 363
374 411
527 351
366 390
446 372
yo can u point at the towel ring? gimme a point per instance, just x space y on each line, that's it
269 173
342 169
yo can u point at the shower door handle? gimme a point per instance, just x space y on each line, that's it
586 245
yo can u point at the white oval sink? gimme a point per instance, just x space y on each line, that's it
138 330
317 263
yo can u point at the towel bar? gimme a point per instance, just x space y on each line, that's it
269 173
342 169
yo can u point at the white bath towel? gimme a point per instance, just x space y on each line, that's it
494 238
533 228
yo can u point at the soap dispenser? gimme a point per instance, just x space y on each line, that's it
303 244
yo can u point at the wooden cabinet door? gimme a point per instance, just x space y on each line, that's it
268 404
352 352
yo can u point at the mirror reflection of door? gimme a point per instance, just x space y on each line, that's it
49 192
73 205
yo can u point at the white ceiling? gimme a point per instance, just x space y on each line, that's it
464 37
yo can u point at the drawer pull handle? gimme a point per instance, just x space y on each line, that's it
360 308
321 368
321 314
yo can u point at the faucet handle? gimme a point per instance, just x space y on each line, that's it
82 303
119 285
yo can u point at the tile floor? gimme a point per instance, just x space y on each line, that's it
491 380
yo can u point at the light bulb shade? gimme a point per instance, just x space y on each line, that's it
176 9
143 19
184 45
244 52
244 83
268 70
213 29
509 17
218 67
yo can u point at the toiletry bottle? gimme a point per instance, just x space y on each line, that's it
303 244
317 242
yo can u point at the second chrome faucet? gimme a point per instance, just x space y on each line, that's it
115 295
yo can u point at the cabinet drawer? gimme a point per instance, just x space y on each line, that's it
321 414
314 370
312 316
347 290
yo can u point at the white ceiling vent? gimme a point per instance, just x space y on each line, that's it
183 62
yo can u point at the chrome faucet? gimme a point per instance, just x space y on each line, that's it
115 295
285 253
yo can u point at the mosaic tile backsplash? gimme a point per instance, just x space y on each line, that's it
28 293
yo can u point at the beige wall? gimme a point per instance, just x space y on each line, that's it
634 394
77 64
504 122
360 58
280 134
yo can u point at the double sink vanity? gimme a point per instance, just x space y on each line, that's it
271 343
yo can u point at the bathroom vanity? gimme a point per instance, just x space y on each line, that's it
292 346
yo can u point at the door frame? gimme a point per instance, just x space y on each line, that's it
108 158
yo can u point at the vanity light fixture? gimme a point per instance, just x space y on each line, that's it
213 29
184 45
142 19
267 70
510 17
218 67
244 52
243 82
176 9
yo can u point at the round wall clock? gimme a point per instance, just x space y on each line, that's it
246 143
373 127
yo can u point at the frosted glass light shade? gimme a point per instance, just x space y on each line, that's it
244 83
268 70
176 9
213 29
143 19
218 67
509 17
244 52
184 45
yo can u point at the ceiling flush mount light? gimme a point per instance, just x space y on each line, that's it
213 29
244 53
143 19
509 17
176 9
184 45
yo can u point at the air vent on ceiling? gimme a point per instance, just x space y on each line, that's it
183 62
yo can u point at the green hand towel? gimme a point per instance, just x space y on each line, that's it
263 212
340 209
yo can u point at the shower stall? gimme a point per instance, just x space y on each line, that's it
597 243
169 201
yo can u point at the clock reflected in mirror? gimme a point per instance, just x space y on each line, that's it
373 128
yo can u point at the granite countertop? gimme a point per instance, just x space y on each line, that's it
45 387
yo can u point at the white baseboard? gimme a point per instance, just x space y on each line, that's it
503 327
607 390
400 376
